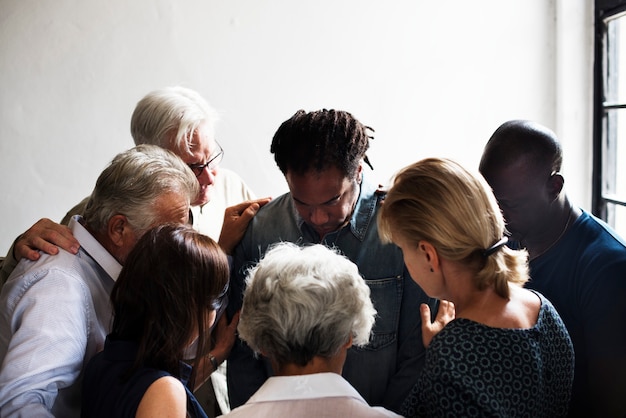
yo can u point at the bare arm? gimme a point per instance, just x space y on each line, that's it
165 398
236 219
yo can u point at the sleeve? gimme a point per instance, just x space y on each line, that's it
411 351
604 310
245 371
47 345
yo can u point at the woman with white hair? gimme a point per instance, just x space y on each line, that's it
303 308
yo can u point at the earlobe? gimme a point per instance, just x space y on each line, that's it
431 255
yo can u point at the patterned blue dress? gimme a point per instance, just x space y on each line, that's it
473 370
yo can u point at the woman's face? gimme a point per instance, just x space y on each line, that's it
419 266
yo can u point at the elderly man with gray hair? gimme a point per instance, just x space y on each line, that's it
302 309
55 312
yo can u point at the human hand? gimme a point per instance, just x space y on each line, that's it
224 335
47 236
236 220
445 314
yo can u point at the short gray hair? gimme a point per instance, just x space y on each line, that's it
302 302
168 118
132 183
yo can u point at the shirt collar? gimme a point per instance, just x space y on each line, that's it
92 247
308 386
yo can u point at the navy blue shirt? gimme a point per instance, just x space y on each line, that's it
106 395
584 276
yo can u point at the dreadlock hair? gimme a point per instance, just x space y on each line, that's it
320 140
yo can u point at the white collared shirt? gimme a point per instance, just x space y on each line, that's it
318 395
54 316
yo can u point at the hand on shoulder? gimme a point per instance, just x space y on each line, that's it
45 235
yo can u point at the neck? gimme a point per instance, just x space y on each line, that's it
560 223
316 365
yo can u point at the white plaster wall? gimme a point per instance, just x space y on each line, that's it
432 78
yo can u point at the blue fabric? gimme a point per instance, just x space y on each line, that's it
584 276
106 395
386 369
473 370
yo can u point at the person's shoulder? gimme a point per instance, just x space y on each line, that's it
280 204
166 396
63 263
365 411
602 233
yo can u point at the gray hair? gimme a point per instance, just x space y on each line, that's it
131 184
302 302
168 118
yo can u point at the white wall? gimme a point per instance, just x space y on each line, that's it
433 78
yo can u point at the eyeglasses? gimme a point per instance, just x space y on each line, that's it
214 161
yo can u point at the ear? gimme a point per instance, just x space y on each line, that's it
348 344
117 229
359 173
555 185
427 250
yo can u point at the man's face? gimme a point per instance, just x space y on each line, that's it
523 196
203 149
325 200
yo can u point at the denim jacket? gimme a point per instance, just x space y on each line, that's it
386 369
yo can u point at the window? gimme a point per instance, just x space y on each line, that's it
609 167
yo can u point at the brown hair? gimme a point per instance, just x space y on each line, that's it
164 293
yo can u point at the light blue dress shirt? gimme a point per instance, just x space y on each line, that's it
54 316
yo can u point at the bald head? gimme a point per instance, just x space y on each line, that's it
517 140
521 163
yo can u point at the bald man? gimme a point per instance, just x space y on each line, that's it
576 260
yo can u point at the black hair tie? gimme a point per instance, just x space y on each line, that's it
495 247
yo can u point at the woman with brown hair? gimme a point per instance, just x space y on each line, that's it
163 303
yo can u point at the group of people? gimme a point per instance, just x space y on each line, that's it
172 292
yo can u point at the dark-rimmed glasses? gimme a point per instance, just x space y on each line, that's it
214 161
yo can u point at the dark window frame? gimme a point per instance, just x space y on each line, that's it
603 9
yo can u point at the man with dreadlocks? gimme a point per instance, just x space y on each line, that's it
321 154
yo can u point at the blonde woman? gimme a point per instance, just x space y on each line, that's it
507 352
